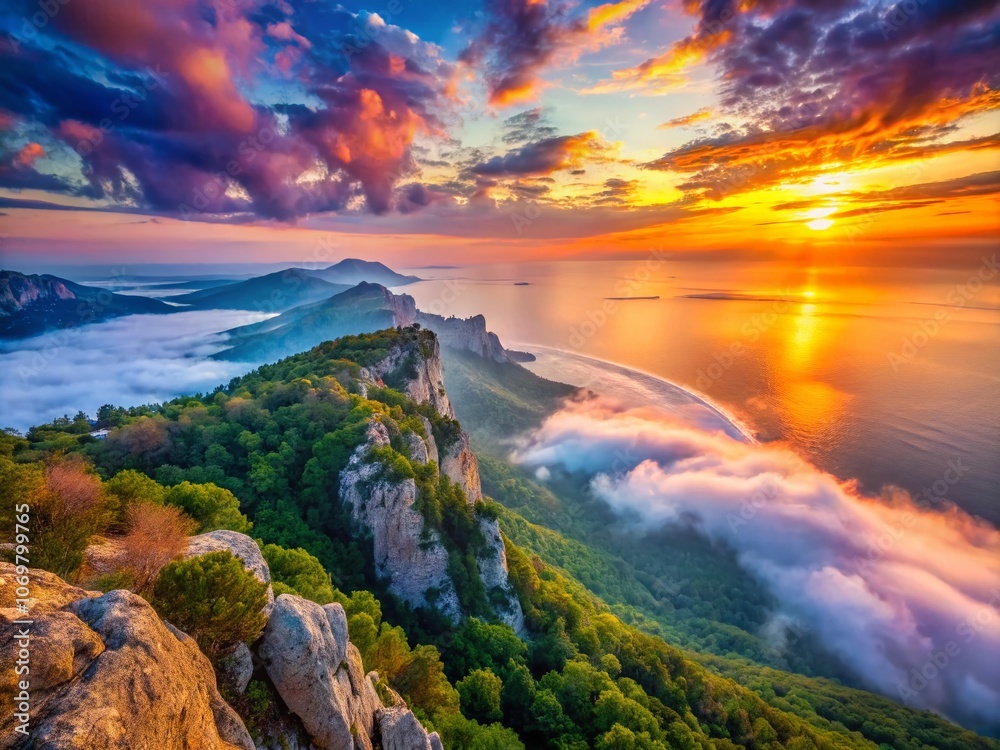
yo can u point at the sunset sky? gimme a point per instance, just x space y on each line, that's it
245 130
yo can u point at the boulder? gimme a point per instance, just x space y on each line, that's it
236 668
400 730
319 674
108 673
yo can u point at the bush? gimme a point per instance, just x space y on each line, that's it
156 535
299 573
128 487
212 598
66 505
213 507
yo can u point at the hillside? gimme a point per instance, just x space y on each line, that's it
272 292
31 304
333 456
365 307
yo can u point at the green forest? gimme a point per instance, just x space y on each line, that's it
629 644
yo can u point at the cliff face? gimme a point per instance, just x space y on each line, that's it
34 304
408 552
466 334
18 290
419 366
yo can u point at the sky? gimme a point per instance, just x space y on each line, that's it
297 130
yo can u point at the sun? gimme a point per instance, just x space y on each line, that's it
820 222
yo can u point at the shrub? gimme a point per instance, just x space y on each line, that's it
129 487
299 573
156 535
66 505
212 598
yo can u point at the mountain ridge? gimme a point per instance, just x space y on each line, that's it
32 304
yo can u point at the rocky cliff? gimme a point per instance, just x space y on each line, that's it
408 552
33 304
466 334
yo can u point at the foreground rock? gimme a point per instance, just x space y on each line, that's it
320 678
107 673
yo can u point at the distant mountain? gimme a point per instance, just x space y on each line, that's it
353 271
33 304
273 292
360 309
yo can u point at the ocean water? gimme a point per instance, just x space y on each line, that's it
884 376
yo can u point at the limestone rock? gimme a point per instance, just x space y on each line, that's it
236 668
466 334
112 675
318 677
426 386
461 466
400 730
407 553
242 547
492 565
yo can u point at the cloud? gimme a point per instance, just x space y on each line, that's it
705 113
521 38
277 110
889 584
128 361
814 84
546 156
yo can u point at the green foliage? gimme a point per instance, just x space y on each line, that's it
298 572
211 506
480 694
214 599
129 487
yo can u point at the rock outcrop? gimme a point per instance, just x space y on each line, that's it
466 334
422 371
107 672
320 678
460 465
407 553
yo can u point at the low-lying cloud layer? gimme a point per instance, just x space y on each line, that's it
126 362
906 595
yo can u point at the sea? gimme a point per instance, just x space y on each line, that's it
883 376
